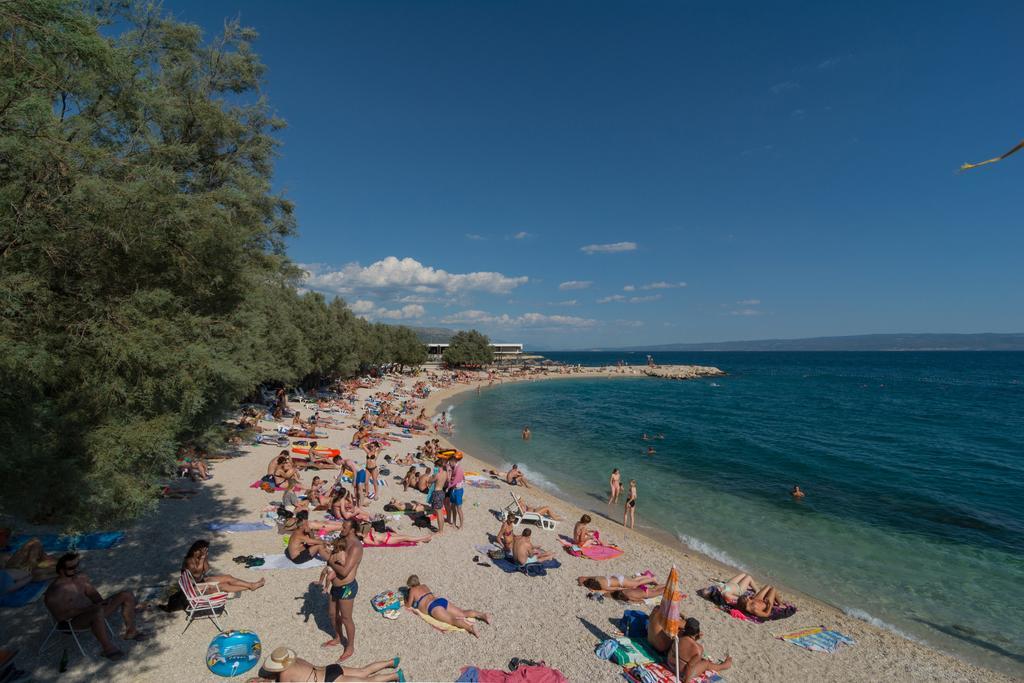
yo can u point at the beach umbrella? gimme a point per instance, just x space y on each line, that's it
670 600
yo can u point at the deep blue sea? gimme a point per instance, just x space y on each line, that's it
913 465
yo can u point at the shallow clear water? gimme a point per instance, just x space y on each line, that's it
913 464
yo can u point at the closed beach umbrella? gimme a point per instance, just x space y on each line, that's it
670 600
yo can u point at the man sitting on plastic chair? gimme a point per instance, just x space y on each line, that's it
71 598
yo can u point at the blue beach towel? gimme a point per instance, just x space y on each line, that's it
24 595
530 569
237 527
52 543
817 639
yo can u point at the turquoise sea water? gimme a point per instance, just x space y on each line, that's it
913 464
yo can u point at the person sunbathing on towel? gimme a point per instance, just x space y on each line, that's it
286 667
514 476
638 595
388 537
762 603
616 582
735 587
343 507
421 598
692 663
524 552
71 597
394 506
581 534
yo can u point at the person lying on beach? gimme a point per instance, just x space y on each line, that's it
582 535
72 597
32 560
761 603
197 563
406 459
343 507
615 582
303 546
420 597
388 537
286 667
514 476
524 552
394 505
691 662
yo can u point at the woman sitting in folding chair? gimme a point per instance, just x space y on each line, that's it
197 563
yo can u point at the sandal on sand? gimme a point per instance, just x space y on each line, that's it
395 662
113 656
401 676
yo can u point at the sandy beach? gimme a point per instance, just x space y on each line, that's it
538 617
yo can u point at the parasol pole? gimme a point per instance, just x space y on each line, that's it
676 641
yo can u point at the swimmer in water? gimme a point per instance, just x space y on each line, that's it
796 492
526 433
650 450
645 437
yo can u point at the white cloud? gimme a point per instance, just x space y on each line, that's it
521 235
746 311
368 309
567 302
474 236
749 302
575 284
663 285
644 299
629 288
613 248
404 313
393 273
798 113
784 86
535 320
609 299
630 323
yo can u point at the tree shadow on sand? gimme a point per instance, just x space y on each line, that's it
314 604
147 562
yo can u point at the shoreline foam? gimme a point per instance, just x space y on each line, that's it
705 553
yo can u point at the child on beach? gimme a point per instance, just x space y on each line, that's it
629 515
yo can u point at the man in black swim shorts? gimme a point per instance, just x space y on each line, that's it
344 588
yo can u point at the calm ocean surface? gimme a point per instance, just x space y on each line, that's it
913 464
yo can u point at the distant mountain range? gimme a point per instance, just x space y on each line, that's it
859 342
434 335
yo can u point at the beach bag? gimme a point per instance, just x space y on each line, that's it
387 603
633 624
496 554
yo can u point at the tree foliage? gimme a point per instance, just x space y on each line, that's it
144 285
469 348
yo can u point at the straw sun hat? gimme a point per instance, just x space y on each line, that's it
280 659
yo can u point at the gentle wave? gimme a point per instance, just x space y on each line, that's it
710 550
535 478
875 621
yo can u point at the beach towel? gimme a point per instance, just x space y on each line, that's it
480 482
633 652
523 674
258 484
659 673
597 552
530 568
52 543
282 562
237 527
817 639
439 625
30 592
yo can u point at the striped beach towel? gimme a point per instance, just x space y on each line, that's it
817 639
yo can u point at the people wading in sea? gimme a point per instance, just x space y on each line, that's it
629 515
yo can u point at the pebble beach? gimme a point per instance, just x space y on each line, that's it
538 618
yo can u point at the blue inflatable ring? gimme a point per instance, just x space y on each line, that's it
233 652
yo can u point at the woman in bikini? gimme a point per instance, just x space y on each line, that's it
421 598
629 515
197 563
388 537
371 472
394 505
615 582
582 535
616 483
506 534
691 662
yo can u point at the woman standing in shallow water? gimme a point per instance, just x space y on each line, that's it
616 483
629 515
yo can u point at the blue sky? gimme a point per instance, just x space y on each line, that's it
580 174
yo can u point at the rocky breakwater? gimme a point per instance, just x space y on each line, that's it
682 371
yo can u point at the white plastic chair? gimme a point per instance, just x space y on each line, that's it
517 509
67 628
